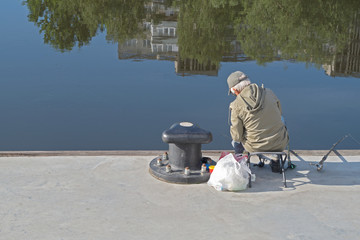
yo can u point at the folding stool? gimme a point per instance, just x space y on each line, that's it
281 156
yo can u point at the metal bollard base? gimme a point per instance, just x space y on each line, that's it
176 176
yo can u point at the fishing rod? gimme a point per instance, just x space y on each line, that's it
319 165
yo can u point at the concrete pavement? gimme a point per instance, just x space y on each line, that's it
113 196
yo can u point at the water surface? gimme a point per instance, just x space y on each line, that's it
112 75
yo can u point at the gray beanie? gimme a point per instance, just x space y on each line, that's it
235 78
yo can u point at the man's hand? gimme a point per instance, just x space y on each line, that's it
238 147
233 143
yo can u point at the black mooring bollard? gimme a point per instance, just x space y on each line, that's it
183 164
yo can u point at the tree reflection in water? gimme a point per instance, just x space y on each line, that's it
318 32
66 23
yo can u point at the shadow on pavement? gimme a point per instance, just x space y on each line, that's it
337 173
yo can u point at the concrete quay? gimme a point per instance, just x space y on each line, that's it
111 195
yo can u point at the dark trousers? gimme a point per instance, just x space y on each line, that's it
238 147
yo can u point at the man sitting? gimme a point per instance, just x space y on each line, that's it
256 122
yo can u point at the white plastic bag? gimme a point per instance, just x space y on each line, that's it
229 175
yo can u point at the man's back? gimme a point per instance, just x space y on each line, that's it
256 120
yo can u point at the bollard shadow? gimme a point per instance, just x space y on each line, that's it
338 172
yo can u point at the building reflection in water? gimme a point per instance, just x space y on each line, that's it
347 63
161 43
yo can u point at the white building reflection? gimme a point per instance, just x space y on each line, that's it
160 42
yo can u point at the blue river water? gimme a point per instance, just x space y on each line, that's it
89 99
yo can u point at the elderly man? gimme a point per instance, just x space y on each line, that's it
256 121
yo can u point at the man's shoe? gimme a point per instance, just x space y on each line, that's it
275 166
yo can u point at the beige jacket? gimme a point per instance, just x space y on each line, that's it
256 120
